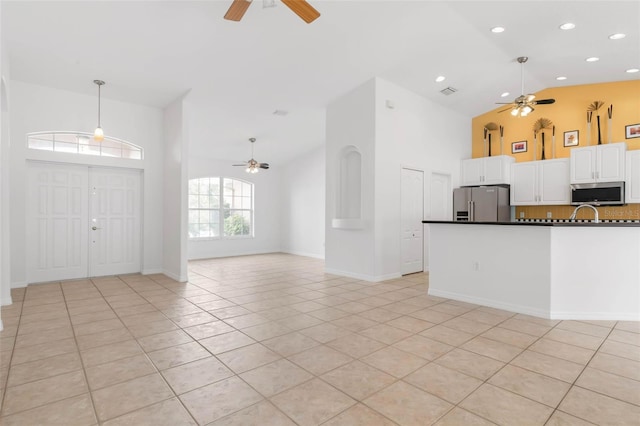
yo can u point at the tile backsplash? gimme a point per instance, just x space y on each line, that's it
626 212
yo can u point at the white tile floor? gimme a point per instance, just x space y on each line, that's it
272 340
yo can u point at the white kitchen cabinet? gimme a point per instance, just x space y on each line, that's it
487 170
598 163
632 181
540 183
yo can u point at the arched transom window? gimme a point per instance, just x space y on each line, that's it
83 144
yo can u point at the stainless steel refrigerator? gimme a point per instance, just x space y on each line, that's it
481 204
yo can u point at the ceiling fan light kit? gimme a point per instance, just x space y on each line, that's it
300 7
523 104
252 166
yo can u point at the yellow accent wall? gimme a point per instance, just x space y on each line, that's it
568 113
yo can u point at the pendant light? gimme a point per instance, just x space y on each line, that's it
98 135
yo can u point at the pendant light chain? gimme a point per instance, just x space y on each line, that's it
99 87
98 135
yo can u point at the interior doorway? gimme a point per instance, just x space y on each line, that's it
82 221
412 214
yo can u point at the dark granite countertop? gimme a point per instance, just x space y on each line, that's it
600 224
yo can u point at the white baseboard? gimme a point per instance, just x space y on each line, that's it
19 284
176 277
364 277
232 254
527 310
5 301
151 271
598 316
1 326
305 254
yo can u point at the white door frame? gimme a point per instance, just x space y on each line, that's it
420 229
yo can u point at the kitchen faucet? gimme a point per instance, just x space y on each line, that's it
575 212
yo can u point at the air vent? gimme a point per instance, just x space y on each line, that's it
448 91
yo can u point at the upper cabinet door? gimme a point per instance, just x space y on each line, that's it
487 171
524 184
583 164
599 163
472 172
632 181
611 160
553 178
496 170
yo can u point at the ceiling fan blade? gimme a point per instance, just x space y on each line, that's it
504 103
545 101
237 9
303 9
264 165
240 165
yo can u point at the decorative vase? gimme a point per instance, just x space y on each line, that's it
489 144
542 146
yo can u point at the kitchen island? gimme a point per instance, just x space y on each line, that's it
557 270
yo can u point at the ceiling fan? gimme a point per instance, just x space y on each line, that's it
300 7
252 166
523 104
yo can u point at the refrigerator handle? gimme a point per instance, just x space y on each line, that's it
472 211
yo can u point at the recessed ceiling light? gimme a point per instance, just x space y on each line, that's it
632 70
567 26
561 78
617 36
440 78
504 95
497 29
592 59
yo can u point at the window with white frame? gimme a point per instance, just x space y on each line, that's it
220 207
83 144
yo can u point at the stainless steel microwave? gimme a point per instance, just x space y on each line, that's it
598 194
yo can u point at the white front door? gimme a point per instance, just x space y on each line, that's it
64 203
412 214
114 196
57 233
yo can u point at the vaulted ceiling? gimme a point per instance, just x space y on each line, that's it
239 73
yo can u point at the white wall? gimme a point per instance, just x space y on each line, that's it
303 204
37 108
351 122
176 141
267 210
416 133
5 290
419 134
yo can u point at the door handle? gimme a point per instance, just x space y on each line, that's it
95 228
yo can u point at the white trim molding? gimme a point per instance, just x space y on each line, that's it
364 277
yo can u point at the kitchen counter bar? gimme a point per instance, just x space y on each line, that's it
524 223
560 270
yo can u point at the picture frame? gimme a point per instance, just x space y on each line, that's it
571 138
517 147
632 131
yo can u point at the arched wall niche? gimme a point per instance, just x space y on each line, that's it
349 203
